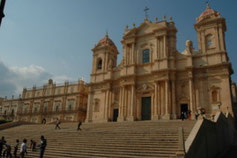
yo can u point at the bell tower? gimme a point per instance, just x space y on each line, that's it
104 59
211 29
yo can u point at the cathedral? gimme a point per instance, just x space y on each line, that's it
154 81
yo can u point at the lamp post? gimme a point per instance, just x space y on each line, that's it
2 5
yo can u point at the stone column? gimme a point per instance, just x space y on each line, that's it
158 99
221 39
109 105
156 52
125 112
120 101
121 105
217 39
131 117
165 50
89 108
106 106
155 116
132 52
191 96
173 100
167 114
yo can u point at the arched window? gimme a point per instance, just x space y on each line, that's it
146 56
214 96
99 64
209 41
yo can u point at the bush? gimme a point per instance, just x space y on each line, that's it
4 121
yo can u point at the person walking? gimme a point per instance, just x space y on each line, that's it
16 148
43 145
33 145
79 125
7 151
23 149
57 124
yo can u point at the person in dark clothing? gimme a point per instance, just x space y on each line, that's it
57 124
7 151
43 145
2 142
44 121
79 125
33 145
16 148
182 116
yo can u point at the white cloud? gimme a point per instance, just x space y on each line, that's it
14 79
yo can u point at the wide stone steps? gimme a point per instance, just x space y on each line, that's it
127 139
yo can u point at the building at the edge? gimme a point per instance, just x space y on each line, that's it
67 102
153 80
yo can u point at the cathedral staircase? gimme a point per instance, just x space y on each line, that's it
125 139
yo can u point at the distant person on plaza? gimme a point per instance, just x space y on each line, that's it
43 144
57 124
33 145
16 148
23 149
44 121
2 142
79 125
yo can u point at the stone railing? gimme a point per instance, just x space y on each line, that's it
13 124
208 139
52 112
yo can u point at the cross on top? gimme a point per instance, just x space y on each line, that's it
146 10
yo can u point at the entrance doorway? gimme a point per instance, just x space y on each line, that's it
184 108
146 108
115 115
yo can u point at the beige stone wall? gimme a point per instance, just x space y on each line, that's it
67 102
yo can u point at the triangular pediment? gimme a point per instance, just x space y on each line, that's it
144 28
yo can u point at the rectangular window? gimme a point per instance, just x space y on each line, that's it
146 56
70 105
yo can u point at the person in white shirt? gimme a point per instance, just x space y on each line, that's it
23 149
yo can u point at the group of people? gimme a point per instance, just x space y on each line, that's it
58 123
5 149
187 114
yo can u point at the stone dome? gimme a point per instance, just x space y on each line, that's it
208 13
106 41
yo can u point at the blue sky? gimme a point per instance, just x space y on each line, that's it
53 38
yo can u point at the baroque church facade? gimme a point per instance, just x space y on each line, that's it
153 80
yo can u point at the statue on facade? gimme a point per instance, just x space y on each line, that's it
189 47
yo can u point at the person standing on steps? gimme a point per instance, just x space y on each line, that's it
182 116
16 148
43 145
2 142
33 145
23 149
7 151
57 124
79 125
